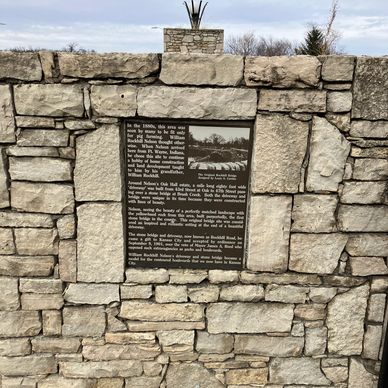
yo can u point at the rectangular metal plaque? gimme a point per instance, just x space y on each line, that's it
186 193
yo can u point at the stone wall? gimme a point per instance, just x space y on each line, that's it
308 310
203 41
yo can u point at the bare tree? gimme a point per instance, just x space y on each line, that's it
245 44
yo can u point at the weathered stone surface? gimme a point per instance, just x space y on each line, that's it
84 370
373 152
196 103
7 246
67 255
202 69
9 294
49 100
126 338
279 150
26 266
367 266
31 241
41 302
370 169
40 169
184 276
214 343
369 129
310 312
367 245
40 286
268 346
217 276
55 345
329 151
4 194
168 294
28 366
345 321
100 249
241 293
142 382
23 66
322 294
282 72
135 292
42 138
372 342
48 65
286 294
35 122
97 174
286 278
113 65
19 323
316 340
83 321
336 374
246 376
57 381
191 376
168 325
249 317
338 68
370 89
75 125
32 151
313 253
7 119
376 307
92 293
175 337
146 276
339 102
364 192
206 294
15 347
269 225
304 371
114 100
145 311
42 197
363 218
66 227
52 322
314 213
25 220
359 377
301 101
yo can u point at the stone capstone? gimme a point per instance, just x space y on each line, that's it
338 68
7 119
23 66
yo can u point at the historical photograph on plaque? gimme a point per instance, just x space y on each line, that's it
186 193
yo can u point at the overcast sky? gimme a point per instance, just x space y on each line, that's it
126 25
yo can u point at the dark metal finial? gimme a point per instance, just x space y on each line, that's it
195 12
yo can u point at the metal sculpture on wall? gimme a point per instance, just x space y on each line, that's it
195 11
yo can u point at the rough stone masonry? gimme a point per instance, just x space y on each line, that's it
309 309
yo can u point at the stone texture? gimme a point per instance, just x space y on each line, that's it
31 241
83 321
206 294
316 340
217 276
322 294
241 293
19 323
40 169
363 218
67 255
345 322
184 276
7 246
282 72
55 345
300 101
7 119
372 342
39 302
214 343
310 312
28 366
286 278
57 381
313 253
52 322
249 317
42 138
146 276
314 213
4 194
175 337
367 266
339 120
42 197
40 286
303 371
196 103
112 65
92 293
359 377
364 193
26 266
191 376
286 294
367 245
328 154
279 151
338 68
135 292
9 294
200 69
100 250
269 346
114 100
339 102
370 89
66 227
23 66
15 347
97 174
370 169
269 225
49 100
35 122
247 376
168 294
376 307
374 129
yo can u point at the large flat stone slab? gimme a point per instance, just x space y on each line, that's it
338 68
197 103
21 66
7 119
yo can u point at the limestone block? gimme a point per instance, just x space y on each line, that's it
268 346
300 101
339 102
52 322
214 343
316 341
282 72
328 154
116 65
23 66
367 266
35 122
145 276
55 345
249 317
373 129
67 255
114 100
286 278
191 376
135 292
184 276
310 312
373 152
286 294
83 321
55 100
360 377
206 294
345 321
175 337
241 293
339 120
246 376
376 308
40 286
7 246
56 381
28 366
197 103
41 302
100 250
303 371
42 197
202 69
217 276
66 227
372 342
48 65
92 293
322 294
9 294
26 266
33 151
142 382
168 294
364 192
336 374
316 253
338 68
370 89
363 218
31 241
42 138
40 169
7 119
22 220
269 225
314 213
367 245
278 154
19 323
76 124
370 169
15 347
126 338
97 174
4 194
